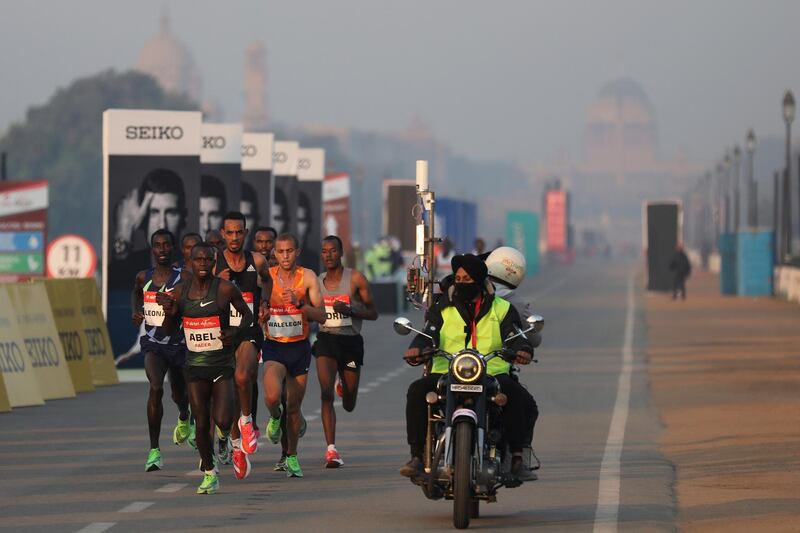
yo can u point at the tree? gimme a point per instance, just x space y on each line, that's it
61 141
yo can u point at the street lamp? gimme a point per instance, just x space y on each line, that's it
727 162
788 117
752 186
737 158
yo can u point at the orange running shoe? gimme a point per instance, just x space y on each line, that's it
333 459
249 437
241 464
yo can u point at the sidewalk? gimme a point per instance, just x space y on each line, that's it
725 378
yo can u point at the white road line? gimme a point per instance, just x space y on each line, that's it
136 507
171 487
195 473
311 418
550 289
608 495
97 527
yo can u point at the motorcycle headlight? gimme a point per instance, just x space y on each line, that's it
467 367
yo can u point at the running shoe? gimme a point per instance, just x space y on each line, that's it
241 464
274 428
303 426
154 461
223 450
210 484
333 459
339 388
249 438
280 466
182 431
192 439
293 467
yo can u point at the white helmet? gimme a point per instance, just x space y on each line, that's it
507 265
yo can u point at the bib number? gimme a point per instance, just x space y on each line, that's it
153 313
236 316
334 319
285 322
202 334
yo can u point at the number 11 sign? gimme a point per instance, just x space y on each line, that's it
71 256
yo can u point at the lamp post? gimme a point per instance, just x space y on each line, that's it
718 205
727 185
737 158
752 187
788 117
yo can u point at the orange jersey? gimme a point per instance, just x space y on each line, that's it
286 322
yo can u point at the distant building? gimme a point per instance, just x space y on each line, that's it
167 59
255 87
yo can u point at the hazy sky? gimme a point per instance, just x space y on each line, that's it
493 79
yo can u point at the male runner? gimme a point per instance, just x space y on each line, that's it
264 243
249 272
339 347
162 352
187 243
214 238
295 299
202 304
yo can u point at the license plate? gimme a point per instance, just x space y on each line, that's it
458 387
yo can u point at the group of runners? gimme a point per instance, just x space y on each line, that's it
217 312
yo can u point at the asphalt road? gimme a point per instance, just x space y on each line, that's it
78 465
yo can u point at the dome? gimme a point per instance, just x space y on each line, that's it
170 63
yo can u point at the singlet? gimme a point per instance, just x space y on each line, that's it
246 281
286 322
335 323
154 313
203 321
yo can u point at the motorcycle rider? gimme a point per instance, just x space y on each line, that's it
468 315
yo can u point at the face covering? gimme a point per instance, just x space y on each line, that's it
466 291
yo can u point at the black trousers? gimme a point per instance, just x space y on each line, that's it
679 285
519 415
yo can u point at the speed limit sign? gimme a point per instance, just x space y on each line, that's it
71 256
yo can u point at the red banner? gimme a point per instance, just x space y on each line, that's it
23 229
556 232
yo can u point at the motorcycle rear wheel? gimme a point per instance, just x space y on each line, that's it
462 477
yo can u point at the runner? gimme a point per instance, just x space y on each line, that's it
187 243
202 305
163 353
249 272
295 299
339 348
214 238
264 243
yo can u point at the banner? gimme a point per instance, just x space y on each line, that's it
522 233
5 405
101 357
65 304
38 330
23 229
399 198
19 375
310 174
556 220
151 180
457 220
221 173
336 210
284 170
256 200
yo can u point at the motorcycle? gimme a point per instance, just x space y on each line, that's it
466 459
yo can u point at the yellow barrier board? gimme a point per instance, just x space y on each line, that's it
65 304
101 356
42 344
5 405
18 374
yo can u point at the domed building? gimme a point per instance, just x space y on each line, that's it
167 59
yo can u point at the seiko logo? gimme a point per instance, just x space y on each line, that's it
154 133
304 163
214 142
249 150
280 157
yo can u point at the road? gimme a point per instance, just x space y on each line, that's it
77 465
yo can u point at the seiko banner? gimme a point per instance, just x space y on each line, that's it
151 180
221 173
336 210
284 200
256 200
310 174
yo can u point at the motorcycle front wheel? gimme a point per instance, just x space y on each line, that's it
462 478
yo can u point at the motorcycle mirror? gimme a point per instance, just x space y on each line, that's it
536 321
402 325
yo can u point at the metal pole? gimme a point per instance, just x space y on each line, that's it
787 202
753 194
3 175
776 218
736 193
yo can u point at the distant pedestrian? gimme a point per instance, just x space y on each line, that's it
681 269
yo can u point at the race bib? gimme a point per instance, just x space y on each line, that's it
334 319
153 313
236 316
202 334
285 321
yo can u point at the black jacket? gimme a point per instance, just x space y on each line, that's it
680 264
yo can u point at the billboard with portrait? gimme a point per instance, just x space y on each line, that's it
256 201
284 203
220 173
310 174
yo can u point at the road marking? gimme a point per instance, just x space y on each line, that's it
171 487
97 527
550 289
136 507
608 494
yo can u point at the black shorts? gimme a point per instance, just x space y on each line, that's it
173 354
252 334
295 356
347 350
207 373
